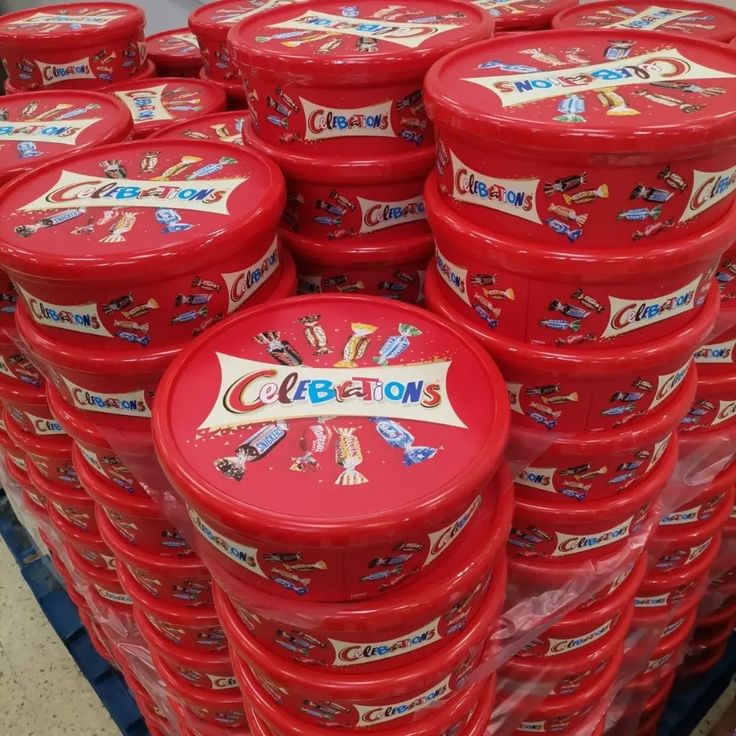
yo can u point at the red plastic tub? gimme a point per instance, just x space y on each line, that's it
695 666
28 408
566 713
191 629
598 529
686 534
15 458
557 296
136 518
211 23
88 544
726 276
678 17
219 707
93 446
549 150
215 253
184 582
515 16
175 53
225 127
593 376
327 73
73 505
713 626
584 628
715 402
408 500
236 95
50 454
147 71
77 45
156 103
15 366
206 670
475 726
571 674
662 592
590 467
36 129
452 717
402 627
104 583
355 700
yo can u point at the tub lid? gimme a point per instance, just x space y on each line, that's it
337 42
154 103
519 15
369 416
679 17
175 48
226 127
106 212
590 91
35 127
220 17
62 24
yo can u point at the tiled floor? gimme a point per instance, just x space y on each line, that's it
42 693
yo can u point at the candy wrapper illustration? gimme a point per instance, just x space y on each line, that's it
356 345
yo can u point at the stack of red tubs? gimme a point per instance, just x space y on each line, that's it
210 25
115 277
73 45
335 99
538 239
352 506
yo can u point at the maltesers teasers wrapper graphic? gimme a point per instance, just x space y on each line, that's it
607 86
332 398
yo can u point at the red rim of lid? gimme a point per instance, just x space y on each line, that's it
12 390
586 363
266 709
724 31
213 99
106 494
449 579
204 616
200 22
88 571
647 430
117 123
232 89
597 510
395 63
311 166
186 254
359 252
554 705
444 107
75 533
123 550
247 519
57 492
176 652
37 444
133 18
398 681
190 60
175 130
716 382
608 263
17 474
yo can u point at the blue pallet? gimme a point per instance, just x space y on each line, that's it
688 705
64 619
